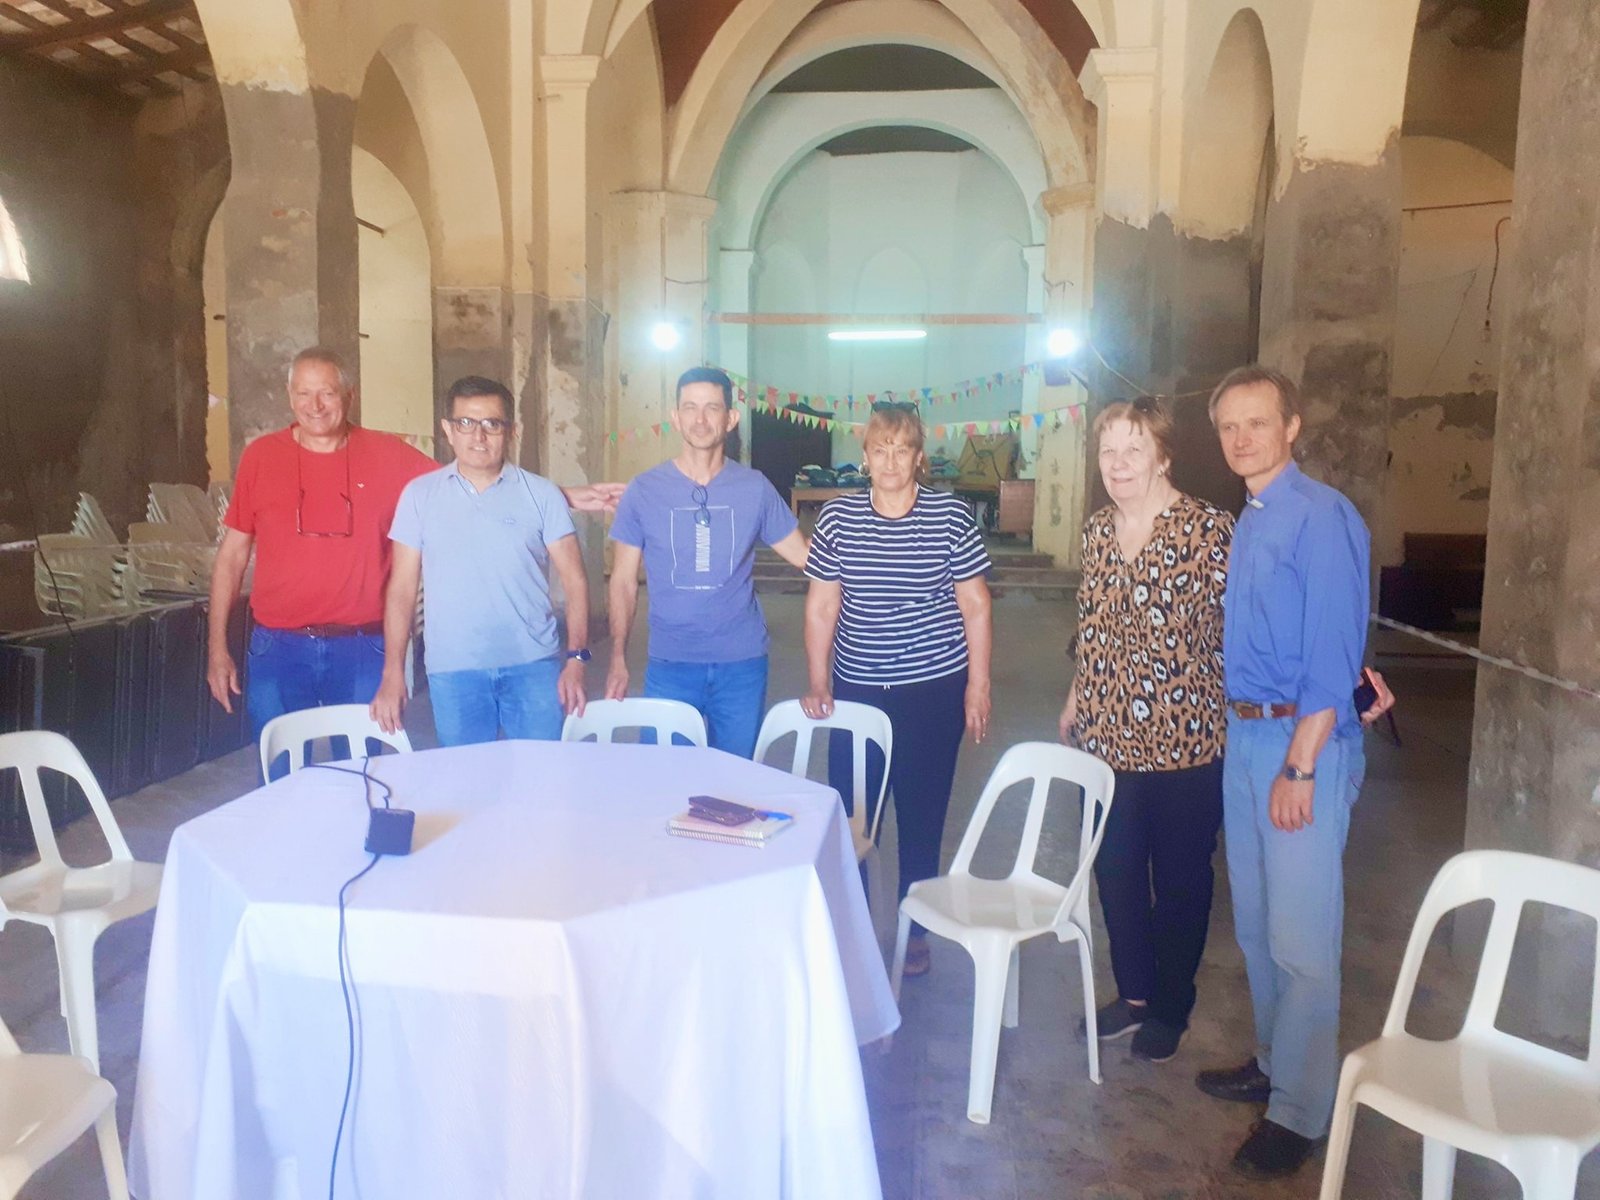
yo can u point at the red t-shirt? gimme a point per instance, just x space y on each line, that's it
284 494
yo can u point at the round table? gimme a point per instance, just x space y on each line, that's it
556 997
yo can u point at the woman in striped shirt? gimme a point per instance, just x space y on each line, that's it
897 617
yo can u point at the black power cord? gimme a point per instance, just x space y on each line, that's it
347 984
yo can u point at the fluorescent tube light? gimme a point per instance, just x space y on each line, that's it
877 335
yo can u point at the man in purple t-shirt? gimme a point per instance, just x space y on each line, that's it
695 522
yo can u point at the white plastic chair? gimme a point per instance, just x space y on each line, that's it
46 1102
291 732
76 904
1534 1110
991 918
865 724
602 718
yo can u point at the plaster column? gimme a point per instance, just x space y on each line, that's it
574 329
731 343
1121 83
291 249
1536 748
471 333
1033 351
1329 287
1059 473
655 273
563 397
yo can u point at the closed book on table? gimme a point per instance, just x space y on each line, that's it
752 833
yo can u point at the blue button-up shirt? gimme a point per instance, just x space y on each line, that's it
1295 625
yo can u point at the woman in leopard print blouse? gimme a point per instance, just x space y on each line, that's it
1147 698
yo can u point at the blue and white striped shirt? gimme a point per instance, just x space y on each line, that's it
899 622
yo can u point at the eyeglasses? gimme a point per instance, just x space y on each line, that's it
300 506
893 406
492 426
701 496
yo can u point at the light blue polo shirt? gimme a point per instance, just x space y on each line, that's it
485 565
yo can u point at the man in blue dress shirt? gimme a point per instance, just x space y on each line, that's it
1293 638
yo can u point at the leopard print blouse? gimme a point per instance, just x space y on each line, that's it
1149 648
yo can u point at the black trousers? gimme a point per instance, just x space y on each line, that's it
929 720
1154 872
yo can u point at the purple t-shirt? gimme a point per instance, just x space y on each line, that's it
703 605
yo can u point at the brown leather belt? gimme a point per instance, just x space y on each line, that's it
1247 710
370 629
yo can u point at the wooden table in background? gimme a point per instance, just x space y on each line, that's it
817 495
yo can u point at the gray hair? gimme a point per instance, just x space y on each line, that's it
331 358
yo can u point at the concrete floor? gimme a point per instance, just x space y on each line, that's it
1145 1132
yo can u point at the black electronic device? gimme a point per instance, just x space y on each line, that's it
1366 694
389 831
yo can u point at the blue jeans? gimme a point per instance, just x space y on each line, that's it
290 672
474 706
731 696
1288 913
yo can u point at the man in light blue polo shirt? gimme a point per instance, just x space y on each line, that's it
483 533
695 522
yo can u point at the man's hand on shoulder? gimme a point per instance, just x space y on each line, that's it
594 497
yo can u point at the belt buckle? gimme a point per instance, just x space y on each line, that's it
1247 710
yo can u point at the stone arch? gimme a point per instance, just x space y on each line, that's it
1034 71
1228 123
455 188
1354 62
464 208
256 45
786 129
396 302
870 23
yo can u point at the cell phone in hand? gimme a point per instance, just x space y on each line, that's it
1366 694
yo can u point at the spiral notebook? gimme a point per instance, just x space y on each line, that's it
751 833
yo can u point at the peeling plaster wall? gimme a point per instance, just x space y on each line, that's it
1447 342
1328 302
102 361
1175 312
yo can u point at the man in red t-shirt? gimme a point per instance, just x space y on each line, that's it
315 501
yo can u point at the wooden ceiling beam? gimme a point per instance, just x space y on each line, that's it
150 15
148 68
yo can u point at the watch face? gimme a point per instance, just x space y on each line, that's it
580 655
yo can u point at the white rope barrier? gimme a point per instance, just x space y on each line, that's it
1494 660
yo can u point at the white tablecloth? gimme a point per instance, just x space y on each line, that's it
557 999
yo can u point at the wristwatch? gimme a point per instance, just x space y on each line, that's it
581 655
1296 775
